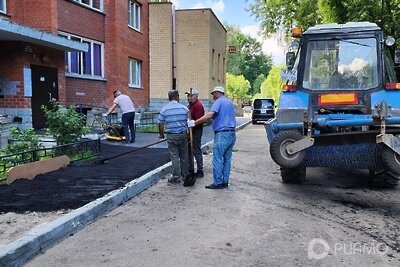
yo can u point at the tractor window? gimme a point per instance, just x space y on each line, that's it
390 73
341 64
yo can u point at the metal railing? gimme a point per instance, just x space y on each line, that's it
77 151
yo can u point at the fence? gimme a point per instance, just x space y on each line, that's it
77 151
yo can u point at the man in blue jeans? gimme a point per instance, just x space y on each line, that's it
224 123
127 108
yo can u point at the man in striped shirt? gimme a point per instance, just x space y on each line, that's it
174 116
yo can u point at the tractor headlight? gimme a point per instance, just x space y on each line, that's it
390 41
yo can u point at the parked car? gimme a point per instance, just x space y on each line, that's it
262 110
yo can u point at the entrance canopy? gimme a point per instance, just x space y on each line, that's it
10 31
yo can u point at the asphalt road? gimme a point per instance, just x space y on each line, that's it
334 219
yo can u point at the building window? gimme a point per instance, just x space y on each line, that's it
134 14
219 67
95 4
212 64
135 73
3 4
86 64
223 70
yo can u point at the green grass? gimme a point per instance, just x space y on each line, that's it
148 129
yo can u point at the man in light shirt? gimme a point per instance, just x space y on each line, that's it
174 116
127 108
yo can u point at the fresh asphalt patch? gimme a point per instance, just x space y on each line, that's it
74 186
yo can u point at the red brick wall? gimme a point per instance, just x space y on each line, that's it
36 14
110 27
123 42
14 57
77 19
81 91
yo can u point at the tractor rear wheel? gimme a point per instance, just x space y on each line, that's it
295 175
383 179
278 151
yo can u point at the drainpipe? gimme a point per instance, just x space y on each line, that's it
173 48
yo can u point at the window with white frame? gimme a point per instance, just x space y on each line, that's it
85 64
95 4
134 14
135 73
3 4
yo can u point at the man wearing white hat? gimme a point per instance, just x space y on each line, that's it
224 123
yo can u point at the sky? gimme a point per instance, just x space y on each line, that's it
234 13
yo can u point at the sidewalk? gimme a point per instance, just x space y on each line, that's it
48 232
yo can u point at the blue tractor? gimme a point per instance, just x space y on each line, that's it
340 106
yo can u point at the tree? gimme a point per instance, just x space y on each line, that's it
249 59
236 86
257 84
281 15
271 87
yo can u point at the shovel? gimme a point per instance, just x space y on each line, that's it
190 180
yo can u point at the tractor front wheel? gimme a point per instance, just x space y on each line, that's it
295 175
278 151
383 179
391 160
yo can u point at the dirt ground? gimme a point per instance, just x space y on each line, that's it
257 221
25 204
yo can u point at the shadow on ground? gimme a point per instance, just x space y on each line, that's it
73 187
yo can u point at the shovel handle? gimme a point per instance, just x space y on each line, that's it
133 150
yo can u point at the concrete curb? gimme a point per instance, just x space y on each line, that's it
23 249
40 238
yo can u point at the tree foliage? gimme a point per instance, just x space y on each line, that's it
257 84
281 15
271 87
236 86
249 59
64 124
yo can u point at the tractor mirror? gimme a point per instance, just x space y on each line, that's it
290 58
397 56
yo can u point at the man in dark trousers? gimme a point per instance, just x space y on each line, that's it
127 108
224 123
196 110
175 116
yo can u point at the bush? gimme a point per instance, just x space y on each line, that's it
64 124
22 141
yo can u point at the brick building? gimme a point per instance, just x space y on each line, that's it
187 50
75 51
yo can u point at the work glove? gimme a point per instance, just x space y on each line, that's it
104 114
190 123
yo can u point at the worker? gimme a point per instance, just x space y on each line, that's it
224 123
175 116
196 110
127 108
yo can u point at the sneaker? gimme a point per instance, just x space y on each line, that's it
199 174
214 186
174 181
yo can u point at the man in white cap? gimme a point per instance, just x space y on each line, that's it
224 123
196 110
127 108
